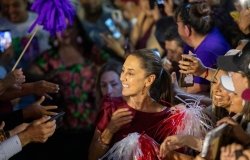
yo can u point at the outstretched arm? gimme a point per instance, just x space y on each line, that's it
39 88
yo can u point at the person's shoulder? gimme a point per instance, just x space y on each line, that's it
216 37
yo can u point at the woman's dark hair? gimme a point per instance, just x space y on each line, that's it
111 65
161 89
196 15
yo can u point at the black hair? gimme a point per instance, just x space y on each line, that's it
161 89
196 15
166 29
227 26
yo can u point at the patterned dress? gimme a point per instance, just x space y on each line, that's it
77 84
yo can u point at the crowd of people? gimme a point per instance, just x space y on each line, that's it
137 79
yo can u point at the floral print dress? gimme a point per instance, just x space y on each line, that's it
77 84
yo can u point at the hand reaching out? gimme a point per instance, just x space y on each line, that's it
42 88
244 21
191 65
15 78
238 131
37 110
38 131
229 152
113 44
171 143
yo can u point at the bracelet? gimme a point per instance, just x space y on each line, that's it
206 73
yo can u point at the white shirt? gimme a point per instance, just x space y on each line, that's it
10 147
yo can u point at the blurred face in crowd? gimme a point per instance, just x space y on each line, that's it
111 84
15 10
240 82
92 6
236 103
69 36
174 50
220 96
133 76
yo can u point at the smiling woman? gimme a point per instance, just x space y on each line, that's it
145 86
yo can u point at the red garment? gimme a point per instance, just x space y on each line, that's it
154 125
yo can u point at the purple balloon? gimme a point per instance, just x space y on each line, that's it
52 15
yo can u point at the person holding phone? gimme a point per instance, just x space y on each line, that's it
195 27
17 19
38 131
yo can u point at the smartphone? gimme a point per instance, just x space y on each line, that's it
214 138
112 28
186 80
55 117
5 40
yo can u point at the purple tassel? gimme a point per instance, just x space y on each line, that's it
52 15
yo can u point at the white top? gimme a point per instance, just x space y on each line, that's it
10 147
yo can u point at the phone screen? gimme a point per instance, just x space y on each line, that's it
5 40
112 28
55 117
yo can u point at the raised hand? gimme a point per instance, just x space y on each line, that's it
15 78
229 152
113 44
191 65
38 131
42 88
119 118
238 131
171 143
178 141
244 21
37 110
